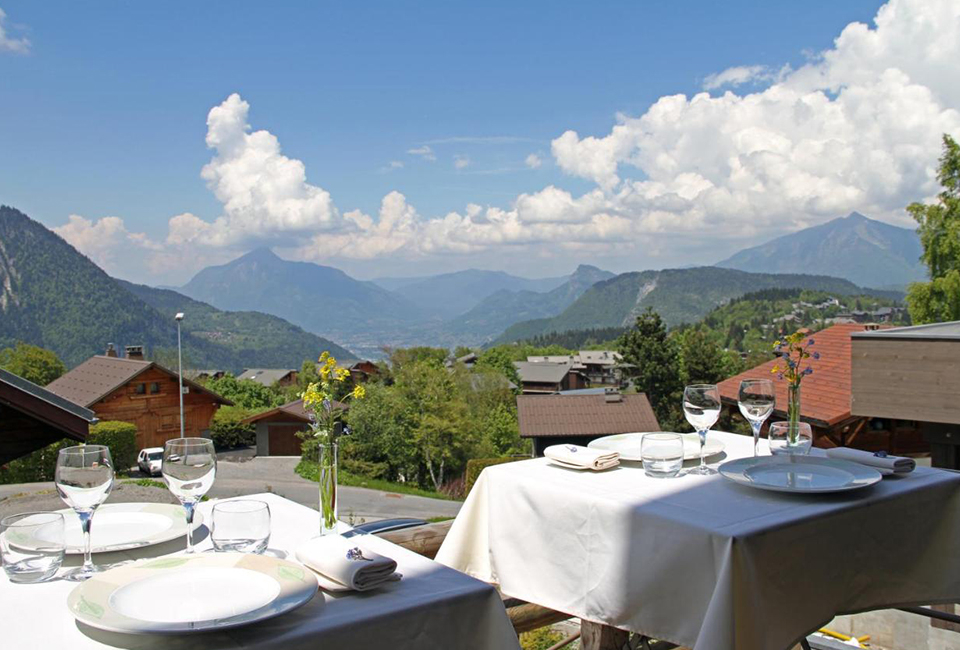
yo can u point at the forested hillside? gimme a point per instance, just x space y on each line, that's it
678 295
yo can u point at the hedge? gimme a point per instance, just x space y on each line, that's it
120 437
477 465
228 431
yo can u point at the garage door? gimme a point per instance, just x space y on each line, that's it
284 440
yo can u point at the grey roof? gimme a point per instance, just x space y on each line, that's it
542 372
541 416
265 376
949 331
600 357
47 396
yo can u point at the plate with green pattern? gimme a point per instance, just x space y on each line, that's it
123 526
180 594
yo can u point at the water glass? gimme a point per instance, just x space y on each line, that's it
32 545
84 478
189 467
240 526
786 440
662 454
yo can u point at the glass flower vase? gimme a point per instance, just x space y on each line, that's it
328 488
793 412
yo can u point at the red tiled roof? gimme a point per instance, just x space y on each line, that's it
583 415
825 394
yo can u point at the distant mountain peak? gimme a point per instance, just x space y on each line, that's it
865 251
259 254
586 268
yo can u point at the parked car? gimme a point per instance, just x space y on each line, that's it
149 460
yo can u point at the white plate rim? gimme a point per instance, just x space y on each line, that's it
713 447
734 471
173 511
89 602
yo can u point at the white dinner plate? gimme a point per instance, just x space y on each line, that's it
122 526
191 593
628 445
800 474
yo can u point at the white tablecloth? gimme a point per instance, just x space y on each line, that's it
432 607
702 561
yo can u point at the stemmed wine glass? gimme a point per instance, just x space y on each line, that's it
756 401
84 478
701 406
189 466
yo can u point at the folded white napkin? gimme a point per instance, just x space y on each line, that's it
578 457
883 464
347 563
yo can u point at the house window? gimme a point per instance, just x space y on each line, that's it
154 387
141 389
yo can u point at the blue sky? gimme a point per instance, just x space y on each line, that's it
105 114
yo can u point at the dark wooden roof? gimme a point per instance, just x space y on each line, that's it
32 417
289 412
99 376
542 416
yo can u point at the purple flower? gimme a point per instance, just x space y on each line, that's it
780 376
808 371
816 355
791 363
810 342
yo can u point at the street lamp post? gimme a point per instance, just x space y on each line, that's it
179 317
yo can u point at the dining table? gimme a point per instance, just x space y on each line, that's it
432 606
702 561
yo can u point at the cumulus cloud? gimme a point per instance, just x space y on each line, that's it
461 161
9 43
104 240
533 161
856 128
424 152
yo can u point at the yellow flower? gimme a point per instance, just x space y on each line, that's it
342 374
324 371
323 357
359 392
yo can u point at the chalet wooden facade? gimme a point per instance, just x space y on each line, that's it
142 393
277 429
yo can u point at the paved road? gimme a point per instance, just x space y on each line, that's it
237 476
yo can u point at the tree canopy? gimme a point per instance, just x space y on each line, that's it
939 229
33 363
652 360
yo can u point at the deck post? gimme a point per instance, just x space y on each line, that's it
595 636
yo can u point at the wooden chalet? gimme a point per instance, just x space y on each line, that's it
32 417
544 377
270 376
578 419
825 399
140 392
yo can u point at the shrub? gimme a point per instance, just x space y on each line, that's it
477 465
120 438
41 465
228 431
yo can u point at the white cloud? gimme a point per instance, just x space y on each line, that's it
424 152
10 44
461 161
104 240
857 128
533 161
393 165
737 76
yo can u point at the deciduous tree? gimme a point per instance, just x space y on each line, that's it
33 363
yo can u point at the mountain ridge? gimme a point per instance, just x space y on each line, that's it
867 252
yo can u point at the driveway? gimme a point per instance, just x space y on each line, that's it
239 475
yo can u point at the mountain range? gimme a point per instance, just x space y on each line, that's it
678 295
55 297
867 252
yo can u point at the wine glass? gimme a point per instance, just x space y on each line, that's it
756 401
189 466
84 478
701 406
